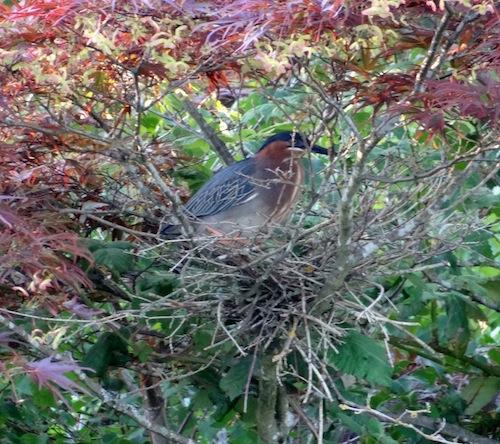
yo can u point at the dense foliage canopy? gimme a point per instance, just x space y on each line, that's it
371 316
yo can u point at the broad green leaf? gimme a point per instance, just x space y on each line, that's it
494 354
161 284
456 326
94 244
363 357
479 392
32 438
150 121
109 350
234 381
43 398
142 350
117 260
492 288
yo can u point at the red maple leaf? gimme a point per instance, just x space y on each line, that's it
50 373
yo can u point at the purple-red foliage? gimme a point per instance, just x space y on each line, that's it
480 100
50 373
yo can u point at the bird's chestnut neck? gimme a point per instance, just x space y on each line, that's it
277 152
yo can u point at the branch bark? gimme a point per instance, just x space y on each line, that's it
267 402
217 144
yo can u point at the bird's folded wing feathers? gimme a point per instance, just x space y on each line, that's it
229 188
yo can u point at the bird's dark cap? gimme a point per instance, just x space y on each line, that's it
296 140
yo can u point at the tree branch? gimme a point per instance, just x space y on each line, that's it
217 144
267 425
423 74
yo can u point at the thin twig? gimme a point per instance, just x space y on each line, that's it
424 71
215 141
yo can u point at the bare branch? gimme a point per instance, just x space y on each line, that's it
217 144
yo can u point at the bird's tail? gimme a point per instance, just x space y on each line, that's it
171 231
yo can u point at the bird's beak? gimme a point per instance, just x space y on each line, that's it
315 149
319 149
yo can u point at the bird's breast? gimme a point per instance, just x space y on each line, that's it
281 188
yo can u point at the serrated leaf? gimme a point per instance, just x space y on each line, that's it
43 398
142 350
162 284
480 392
456 328
234 381
150 121
492 288
363 357
32 438
116 259
95 244
109 350
494 355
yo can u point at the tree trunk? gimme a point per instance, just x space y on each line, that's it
269 404
155 407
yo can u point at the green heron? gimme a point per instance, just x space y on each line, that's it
252 193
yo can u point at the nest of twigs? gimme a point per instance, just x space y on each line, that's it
262 292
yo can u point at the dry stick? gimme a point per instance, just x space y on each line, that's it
450 430
249 379
173 196
422 421
134 173
304 417
267 426
56 132
110 224
103 394
470 17
217 144
309 352
220 322
321 420
337 276
423 74
155 405
326 391
432 172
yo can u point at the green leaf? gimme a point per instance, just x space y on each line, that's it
480 392
150 121
243 434
195 177
94 244
362 121
479 241
31 438
494 355
352 422
492 288
456 328
116 259
234 381
142 350
426 374
160 284
109 350
43 398
363 357
25 385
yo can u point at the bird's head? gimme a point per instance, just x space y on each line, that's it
293 141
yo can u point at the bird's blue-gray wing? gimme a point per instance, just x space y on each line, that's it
230 187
